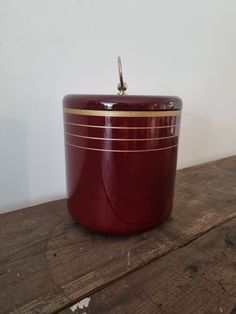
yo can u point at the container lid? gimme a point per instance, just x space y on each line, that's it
122 102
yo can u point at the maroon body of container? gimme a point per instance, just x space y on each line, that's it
121 154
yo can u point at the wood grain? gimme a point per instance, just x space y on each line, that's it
48 262
197 278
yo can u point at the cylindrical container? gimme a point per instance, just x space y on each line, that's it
121 154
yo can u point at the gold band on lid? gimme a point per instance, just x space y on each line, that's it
126 114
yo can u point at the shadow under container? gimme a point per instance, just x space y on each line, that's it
121 154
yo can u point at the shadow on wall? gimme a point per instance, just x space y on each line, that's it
14 181
194 140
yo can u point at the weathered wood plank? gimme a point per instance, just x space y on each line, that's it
197 278
48 262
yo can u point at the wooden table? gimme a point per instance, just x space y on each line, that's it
48 263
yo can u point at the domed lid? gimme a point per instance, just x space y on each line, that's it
122 102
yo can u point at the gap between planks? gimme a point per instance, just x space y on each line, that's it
199 278
86 295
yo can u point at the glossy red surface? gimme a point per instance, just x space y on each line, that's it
121 169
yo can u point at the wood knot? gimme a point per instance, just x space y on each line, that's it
193 268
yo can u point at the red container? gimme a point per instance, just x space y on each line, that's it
121 154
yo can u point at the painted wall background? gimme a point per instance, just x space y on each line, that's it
49 48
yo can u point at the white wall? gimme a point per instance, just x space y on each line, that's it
49 48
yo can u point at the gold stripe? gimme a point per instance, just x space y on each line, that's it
121 127
120 139
120 150
127 114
